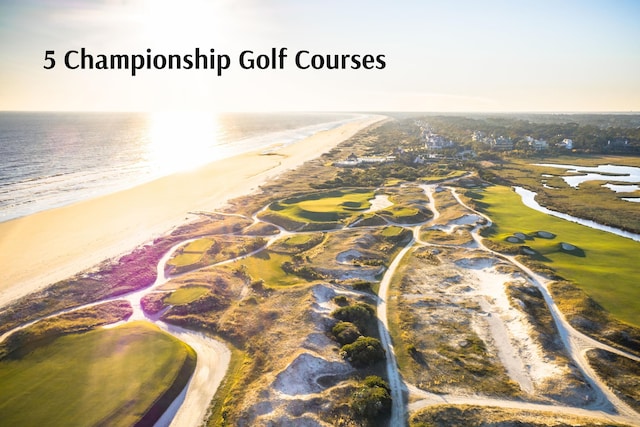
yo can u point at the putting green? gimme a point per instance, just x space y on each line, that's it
326 206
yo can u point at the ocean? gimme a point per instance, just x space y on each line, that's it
48 160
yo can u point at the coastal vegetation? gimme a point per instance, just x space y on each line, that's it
476 416
620 373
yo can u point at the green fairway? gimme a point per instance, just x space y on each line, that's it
392 231
266 265
324 207
298 239
603 264
186 294
102 377
192 253
200 245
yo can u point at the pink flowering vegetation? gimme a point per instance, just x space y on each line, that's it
153 303
131 272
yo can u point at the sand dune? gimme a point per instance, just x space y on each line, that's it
45 247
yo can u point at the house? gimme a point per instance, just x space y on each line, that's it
537 144
353 160
566 143
502 144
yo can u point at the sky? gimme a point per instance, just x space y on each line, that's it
449 56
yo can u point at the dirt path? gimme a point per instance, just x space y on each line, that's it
398 411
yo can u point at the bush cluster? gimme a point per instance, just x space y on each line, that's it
351 332
372 398
363 352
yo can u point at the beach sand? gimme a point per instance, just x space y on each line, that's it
49 246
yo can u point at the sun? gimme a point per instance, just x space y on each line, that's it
179 141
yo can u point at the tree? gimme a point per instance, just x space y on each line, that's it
345 332
372 398
359 314
363 352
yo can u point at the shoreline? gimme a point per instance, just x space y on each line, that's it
49 246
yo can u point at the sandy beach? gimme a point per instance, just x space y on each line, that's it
49 246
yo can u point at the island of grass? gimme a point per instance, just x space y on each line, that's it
323 207
120 376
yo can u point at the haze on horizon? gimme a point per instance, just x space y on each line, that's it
533 56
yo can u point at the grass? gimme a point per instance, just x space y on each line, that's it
192 253
200 245
450 175
473 416
392 231
604 266
324 207
224 396
107 376
186 294
266 265
298 239
619 373
185 259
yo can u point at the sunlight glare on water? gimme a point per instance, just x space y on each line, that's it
182 140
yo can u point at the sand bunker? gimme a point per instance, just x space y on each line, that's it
301 376
545 235
478 263
381 201
347 257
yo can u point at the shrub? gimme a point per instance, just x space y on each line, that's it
363 352
345 332
376 381
372 399
360 314
341 300
304 271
